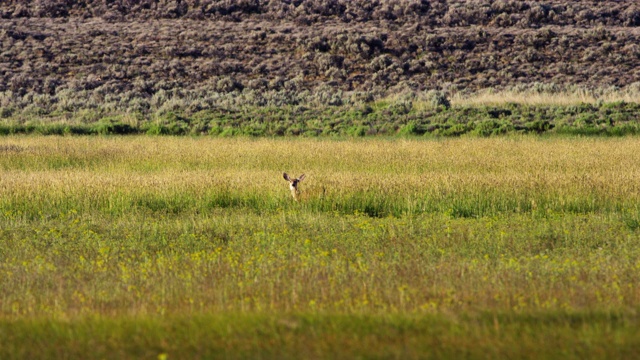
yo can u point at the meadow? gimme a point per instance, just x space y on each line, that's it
192 247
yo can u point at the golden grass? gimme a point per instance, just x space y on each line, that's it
564 98
103 165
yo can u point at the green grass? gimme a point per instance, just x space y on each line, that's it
381 118
237 336
129 247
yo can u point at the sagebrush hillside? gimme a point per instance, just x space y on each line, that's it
347 45
144 57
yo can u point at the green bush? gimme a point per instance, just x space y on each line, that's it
156 129
456 130
538 126
357 131
410 129
109 127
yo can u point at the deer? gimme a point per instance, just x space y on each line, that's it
293 185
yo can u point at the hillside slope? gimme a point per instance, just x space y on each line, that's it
374 46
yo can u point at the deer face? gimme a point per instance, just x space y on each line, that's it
293 184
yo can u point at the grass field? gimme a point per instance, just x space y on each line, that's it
179 247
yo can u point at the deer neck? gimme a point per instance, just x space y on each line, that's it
294 192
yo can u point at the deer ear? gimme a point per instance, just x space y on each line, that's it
301 177
286 177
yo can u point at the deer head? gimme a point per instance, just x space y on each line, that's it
293 185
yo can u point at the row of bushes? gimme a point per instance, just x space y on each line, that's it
375 119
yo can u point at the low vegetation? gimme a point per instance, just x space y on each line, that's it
484 247
430 114
238 336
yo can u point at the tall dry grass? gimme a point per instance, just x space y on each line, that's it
546 98
604 170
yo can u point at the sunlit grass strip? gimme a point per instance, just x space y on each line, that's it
528 99
532 98
463 177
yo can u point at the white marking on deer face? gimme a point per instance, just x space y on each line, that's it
293 184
